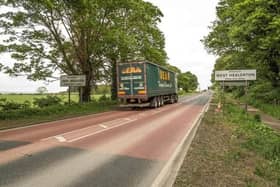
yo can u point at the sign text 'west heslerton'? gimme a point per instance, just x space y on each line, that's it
235 75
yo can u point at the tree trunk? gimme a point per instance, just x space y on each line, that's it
114 81
85 92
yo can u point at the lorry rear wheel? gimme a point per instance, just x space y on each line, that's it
171 99
158 102
161 100
176 98
154 102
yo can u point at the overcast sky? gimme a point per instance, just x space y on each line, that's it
184 24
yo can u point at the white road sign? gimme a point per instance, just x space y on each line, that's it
233 83
72 80
235 75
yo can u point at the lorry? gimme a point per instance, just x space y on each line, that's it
145 84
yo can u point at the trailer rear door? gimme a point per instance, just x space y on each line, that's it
131 79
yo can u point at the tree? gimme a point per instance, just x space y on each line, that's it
42 90
79 37
187 81
136 38
246 35
173 68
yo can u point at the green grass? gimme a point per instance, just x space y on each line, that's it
34 114
24 117
258 138
231 148
273 110
20 98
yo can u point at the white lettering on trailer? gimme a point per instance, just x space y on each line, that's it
165 85
131 77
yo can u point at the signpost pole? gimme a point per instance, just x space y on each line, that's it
223 89
69 91
223 98
246 90
81 94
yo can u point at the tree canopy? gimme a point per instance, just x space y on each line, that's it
246 34
187 81
78 37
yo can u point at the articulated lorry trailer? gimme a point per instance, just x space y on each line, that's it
144 84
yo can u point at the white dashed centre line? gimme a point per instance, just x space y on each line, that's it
103 126
60 138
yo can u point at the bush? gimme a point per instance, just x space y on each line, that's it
257 117
181 92
264 92
10 105
47 101
103 98
102 90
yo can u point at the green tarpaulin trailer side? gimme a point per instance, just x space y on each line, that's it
145 84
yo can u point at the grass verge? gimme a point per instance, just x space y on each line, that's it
20 118
21 98
233 149
273 110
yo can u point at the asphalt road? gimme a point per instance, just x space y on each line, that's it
118 148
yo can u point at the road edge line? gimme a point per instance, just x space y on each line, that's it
168 174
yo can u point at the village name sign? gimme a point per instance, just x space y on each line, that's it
235 77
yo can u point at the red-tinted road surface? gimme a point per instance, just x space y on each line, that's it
118 148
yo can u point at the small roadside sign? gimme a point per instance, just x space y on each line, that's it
235 75
235 78
72 80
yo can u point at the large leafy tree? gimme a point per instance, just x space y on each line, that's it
173 68
135 37
246 34
78 37
187 81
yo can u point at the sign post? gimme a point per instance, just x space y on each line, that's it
236 78
72 81
69 95
246 91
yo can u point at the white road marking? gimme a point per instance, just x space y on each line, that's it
60 138
103 126
97 132
82 129
57 121
120 122
167 168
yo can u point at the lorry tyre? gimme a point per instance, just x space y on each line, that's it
176 98
158 102
154 103
172 99
162 100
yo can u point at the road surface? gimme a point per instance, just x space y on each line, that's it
117 148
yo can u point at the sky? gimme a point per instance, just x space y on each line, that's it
184 24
